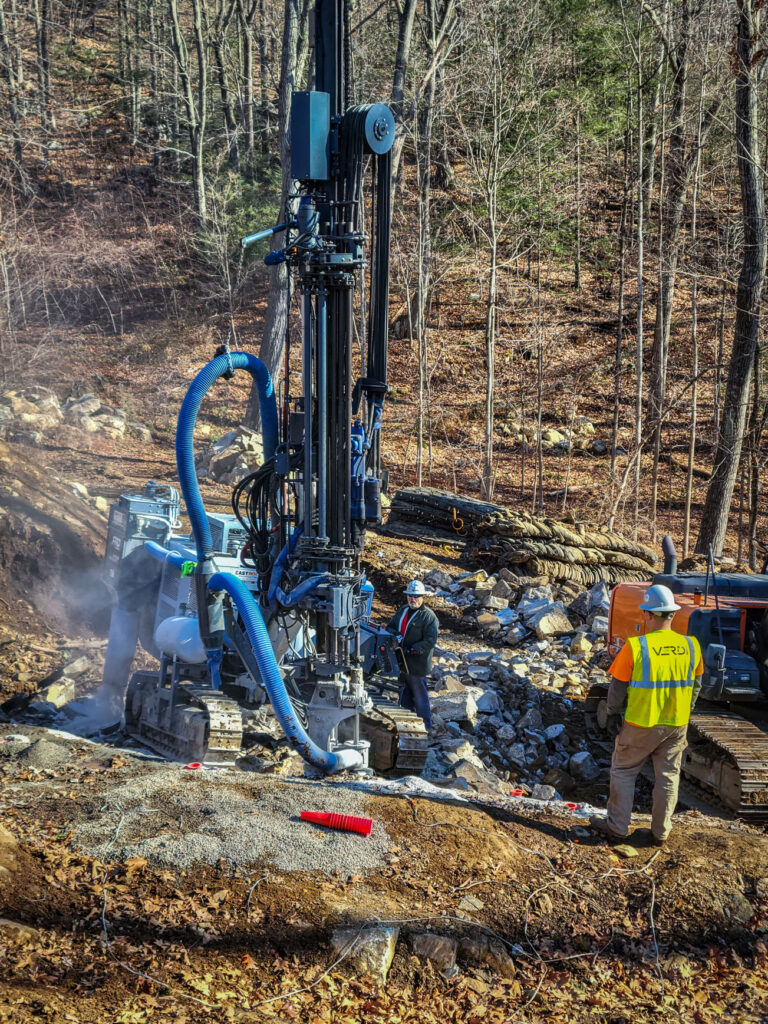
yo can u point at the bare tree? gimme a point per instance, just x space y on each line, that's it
750 72
194 86
493 120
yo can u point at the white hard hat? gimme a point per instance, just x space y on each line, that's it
415 589
658 599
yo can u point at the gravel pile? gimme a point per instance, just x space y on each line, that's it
179 818
44 754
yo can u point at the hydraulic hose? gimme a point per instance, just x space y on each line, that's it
185 455
273 682
164 555
210 616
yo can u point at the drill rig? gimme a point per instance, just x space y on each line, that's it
274 596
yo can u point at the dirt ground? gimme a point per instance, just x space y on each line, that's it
670 935
676 934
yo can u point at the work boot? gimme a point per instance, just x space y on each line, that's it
598 824
645 837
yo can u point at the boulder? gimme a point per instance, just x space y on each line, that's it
533 602
489 703
372 949
552 732
439 949
477 950
502 589
494 604
552 622
450 683
478 778
583 767
13 931
449 706
580 645
516 754
87 405
487 620
515 635
140 431
530 720
439 579
561 781
553 436
583 426
599 598
543 792
580 605
8 853
599 625
34 407
59 693
112 426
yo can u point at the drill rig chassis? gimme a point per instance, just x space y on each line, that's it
274 598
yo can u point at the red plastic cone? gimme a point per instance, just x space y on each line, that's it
345 822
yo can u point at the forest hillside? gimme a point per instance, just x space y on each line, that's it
578 249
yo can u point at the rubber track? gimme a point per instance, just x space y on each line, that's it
747 747
184 741
412 740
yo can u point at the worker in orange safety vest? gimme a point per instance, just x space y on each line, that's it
655 681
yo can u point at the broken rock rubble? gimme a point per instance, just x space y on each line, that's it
504 716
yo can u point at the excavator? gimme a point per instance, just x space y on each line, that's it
272 597
727 756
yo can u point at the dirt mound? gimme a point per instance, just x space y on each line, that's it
51 546
44 754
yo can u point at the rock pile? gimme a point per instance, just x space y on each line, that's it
231 458
516 540
27 412
578 438
508 609
506 716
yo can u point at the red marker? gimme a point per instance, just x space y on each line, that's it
345 822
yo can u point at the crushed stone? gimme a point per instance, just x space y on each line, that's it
44 754
180 818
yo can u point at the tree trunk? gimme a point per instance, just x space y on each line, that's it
13 88
397 96
276 320
223 17
714 522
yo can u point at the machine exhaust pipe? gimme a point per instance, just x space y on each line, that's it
670 555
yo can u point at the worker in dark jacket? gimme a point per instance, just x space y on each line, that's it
415 626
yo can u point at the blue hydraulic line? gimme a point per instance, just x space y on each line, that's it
300 591
185 454
273 682
266 233
279 567
164 555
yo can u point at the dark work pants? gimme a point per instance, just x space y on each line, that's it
415 697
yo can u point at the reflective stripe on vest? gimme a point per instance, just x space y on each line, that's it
661 687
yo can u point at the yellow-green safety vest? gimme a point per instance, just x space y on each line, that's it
661 687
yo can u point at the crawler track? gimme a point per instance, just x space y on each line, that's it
399 742
728 756
203 725
726 761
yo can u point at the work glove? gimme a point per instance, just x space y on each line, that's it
614 724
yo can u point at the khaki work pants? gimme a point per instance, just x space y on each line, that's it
665 745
